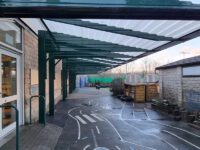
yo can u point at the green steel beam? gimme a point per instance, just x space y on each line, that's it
82 66
89 62
70 47
78 53
93 65
107 61
91 55
81 46
63 39
77 60
88 56
114 9
82 62
113 29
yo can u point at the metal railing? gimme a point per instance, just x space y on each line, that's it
30 107
17 122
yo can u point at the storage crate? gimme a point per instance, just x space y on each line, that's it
142 92
152 92
139 93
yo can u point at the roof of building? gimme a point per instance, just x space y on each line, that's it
184 62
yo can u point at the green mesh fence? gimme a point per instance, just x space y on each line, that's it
95 79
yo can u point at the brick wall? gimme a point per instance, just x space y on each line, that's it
170 83
31 63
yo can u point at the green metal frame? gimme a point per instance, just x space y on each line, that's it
80 55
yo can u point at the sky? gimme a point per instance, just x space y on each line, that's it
194 1
187 49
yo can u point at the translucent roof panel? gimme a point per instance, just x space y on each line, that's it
130 53
102 35
104 43
95 61
34 23
166 28
100 2
114 61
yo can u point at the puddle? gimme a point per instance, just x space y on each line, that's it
88 105
117 108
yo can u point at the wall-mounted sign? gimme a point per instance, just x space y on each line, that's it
34 82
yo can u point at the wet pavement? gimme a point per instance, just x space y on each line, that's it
95 120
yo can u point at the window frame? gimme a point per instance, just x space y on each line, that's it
21 38
189 76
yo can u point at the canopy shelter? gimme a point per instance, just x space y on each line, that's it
79 33
89 46
98 44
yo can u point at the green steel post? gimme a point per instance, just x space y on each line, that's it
41 74
66 83
74 82
63 80
69 82
62 83
30 107
51 84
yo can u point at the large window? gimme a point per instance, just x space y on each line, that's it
10 34
191 71
9 76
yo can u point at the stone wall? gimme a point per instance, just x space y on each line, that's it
191 92
31 63
191 83
170 82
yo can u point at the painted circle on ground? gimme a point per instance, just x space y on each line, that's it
101 148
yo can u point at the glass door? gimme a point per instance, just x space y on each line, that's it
9 91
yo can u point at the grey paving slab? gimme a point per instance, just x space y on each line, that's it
36 137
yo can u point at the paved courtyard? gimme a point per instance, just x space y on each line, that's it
95 120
